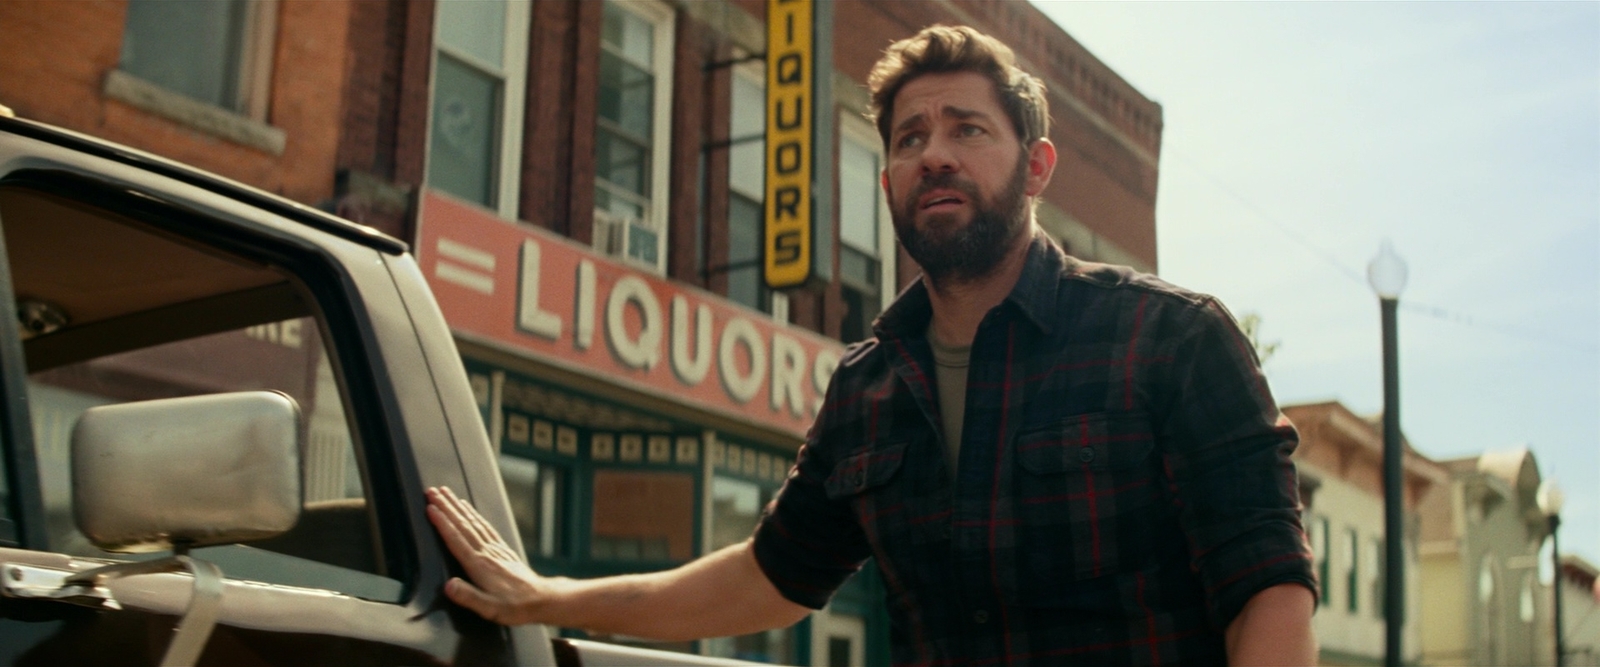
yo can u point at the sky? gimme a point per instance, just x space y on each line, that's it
1300 135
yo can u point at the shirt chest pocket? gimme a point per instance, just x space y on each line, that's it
873 483
1088 496
858 473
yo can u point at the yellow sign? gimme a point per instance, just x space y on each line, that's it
790 62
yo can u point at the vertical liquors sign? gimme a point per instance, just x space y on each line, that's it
791 59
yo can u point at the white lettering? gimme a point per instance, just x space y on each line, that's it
291 333
530 317
644 351
286 333
583 319
738 331
690 370
788 358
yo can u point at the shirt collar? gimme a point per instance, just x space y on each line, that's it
1034 295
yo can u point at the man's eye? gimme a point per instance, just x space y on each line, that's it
909 140
970 130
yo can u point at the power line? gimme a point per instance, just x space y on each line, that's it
1333 262
1448 315
1293 235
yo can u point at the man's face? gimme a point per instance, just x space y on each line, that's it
958 179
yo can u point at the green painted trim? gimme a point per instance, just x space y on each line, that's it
1329 656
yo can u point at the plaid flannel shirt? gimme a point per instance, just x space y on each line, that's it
1124 483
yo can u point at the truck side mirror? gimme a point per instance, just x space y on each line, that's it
187 472
176 474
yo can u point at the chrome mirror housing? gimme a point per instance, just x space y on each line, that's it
187 472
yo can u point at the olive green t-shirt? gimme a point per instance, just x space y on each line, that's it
950 376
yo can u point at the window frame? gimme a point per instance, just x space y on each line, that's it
663 21
774 303
345 333
511 77
1353 577
246 121
856 130
717 449
253 77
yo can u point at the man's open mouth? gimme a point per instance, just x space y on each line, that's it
937 199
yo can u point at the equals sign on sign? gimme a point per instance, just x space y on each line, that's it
465 265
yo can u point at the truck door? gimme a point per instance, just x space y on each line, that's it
126 287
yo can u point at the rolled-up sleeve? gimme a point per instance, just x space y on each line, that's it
807 543
1226 452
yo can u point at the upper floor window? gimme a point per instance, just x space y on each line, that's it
479 78
1380 557
217 52
866 259
747 156
1321 545
633 130
1353 583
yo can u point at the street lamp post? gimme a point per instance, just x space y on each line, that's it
1550 500
1387 276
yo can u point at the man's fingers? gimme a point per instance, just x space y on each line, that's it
467 519
447 518
469 596
454 539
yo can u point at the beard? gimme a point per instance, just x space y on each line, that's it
950 252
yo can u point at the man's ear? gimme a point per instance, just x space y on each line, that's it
1041 164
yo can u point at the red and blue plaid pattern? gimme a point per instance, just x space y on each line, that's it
1124 483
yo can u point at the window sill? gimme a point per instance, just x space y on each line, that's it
198 115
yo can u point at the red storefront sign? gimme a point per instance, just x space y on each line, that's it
567 305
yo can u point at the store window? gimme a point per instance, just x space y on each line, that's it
217 52
479 78
643 508
866 243
537 491
643 516
633 131
744 479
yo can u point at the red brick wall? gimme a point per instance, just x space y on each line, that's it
694 45
58 54
547 156
386 88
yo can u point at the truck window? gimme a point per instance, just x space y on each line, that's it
112 309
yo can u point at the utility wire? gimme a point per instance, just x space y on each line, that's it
1333 262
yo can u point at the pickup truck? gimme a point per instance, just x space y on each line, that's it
218 412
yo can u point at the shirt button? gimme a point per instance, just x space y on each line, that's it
980 617
1086 454
857 478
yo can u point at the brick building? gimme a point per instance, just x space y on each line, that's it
582 184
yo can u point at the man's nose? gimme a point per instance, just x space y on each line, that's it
939 156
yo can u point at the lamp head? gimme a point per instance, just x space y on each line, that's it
1387 272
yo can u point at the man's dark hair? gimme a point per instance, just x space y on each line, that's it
939 49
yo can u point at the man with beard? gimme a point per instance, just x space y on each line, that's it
1049 460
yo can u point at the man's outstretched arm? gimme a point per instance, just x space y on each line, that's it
722 594
1274 628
